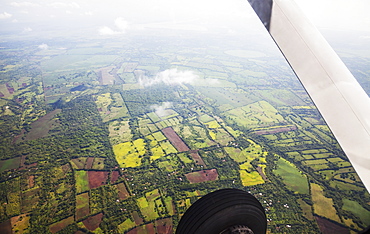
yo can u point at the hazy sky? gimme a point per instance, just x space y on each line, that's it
111 17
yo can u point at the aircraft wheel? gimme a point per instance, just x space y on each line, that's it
224 211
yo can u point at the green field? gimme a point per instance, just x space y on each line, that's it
82 146
357 210
9 164
82 181
256 115
292 177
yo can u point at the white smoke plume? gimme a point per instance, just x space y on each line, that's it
170 77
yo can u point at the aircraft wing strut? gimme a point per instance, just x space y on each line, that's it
339 97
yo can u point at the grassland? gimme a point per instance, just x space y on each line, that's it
148 205
82 181
306 209
322 205
9 164
256 115
119 132
82 205
357 210
292 177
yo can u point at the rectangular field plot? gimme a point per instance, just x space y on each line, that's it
129 154
250 178
175 139
119 132
292 177
323 206
82 181
56 227
147 205
82 205
97 178
122 191
256 115
98 164
202 176
9 164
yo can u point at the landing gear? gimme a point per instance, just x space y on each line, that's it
224 211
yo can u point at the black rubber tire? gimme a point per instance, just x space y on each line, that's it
222 209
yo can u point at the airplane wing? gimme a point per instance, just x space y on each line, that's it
338 96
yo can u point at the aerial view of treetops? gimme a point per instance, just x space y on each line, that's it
122 135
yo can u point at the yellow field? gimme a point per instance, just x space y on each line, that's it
167 147
322 205
246 166
140 146
127 224
233 132
20 223
213 135
128 154
250 179
213 124
157 153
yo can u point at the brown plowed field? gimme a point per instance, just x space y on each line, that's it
196 157
6 227
56 227
175 139
97 178
89 162
122 191
93 222
164 226
114 176
202 176
327 227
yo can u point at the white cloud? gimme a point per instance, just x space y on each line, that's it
23 4
5 15
170 77
43 46
88 13
63 4
161 110
121 24
107 31
28 29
